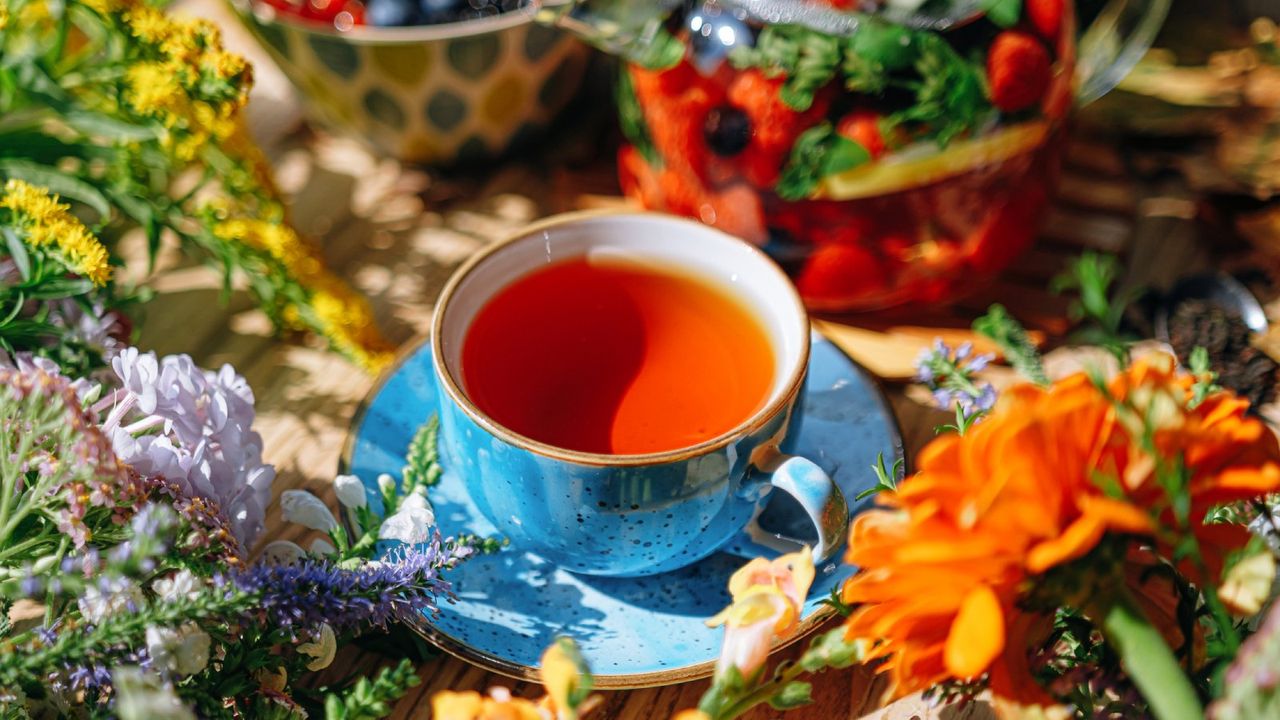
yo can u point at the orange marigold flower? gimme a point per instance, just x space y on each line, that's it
946 567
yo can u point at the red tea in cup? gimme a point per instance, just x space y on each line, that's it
602 355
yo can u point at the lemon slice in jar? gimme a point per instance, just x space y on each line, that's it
906 171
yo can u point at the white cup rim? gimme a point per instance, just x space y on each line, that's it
778 402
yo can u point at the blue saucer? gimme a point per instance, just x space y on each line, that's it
634 632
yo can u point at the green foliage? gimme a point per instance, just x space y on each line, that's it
82 120
951 95
886 477
1206 379
964 420
819 151
832 650
370 699
631 119
1008 334
1004 13
422 462
792 695
1100 311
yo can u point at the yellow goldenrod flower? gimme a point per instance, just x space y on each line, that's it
149 24
32 13
152 88
225 65
47 223
106 7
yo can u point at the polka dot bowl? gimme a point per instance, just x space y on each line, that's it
436 94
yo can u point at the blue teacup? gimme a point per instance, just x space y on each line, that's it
627 515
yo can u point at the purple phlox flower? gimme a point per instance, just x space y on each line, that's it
89 677
943 397
25 362
193 427
30 586
404 585
90 561
952 377
96 327
48 634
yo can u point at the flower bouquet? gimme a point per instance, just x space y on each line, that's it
1101 545
126 587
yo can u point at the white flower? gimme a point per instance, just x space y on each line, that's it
322 547
307 510
412 523
350 491
322 649
184 650
97 604
283 552
142 695
386 485
169 417
182 585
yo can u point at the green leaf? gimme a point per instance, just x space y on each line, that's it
663 51
792 695
889 46
836 602
843 154
1015 345
951 98
1004 13
807 58
818 152
631 119
64 184
106 127
18 252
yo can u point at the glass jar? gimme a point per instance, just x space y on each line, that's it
884 152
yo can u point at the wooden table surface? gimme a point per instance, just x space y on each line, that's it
397 233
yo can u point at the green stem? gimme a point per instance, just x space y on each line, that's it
1147 659
761 694
50 596
16 551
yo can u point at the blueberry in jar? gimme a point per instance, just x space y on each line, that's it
727 130
392 13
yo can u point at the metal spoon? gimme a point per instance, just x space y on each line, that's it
1219 289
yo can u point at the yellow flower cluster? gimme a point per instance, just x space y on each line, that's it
47 223
341 315
186 79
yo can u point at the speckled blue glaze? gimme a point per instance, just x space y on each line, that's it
621 521
634 631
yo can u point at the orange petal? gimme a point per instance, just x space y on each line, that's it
977 635
1079 538
1116 514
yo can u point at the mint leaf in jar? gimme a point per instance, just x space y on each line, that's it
951 96
892 47
1004 13
808 58
819 151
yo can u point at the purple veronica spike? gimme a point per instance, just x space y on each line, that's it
309 593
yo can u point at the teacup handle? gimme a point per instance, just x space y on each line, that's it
817 493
